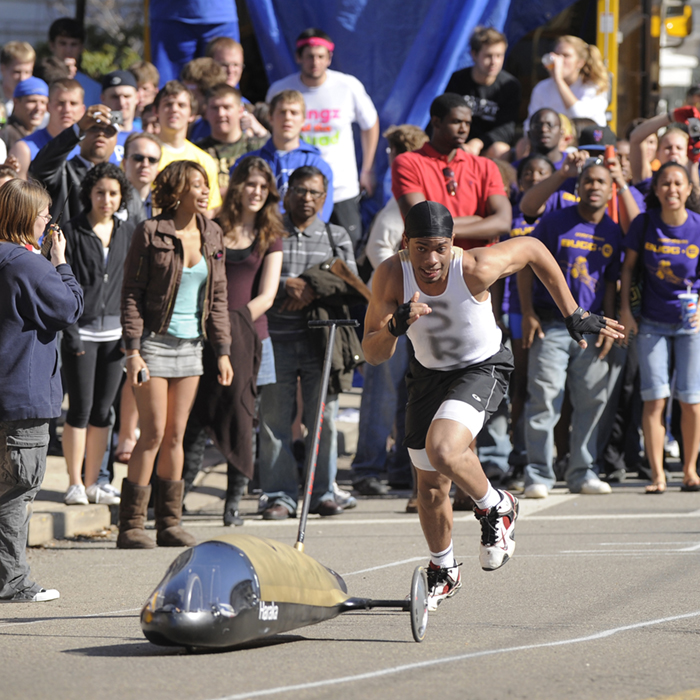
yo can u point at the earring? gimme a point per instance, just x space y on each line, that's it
177 204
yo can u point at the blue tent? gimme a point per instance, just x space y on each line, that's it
403 51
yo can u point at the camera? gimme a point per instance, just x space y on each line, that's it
693 139
116 118
142 376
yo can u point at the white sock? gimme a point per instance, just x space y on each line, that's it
491 499
444 559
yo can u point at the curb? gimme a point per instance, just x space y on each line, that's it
57 522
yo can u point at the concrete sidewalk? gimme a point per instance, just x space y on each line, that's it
53 520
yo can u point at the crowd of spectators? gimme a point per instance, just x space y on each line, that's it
195 228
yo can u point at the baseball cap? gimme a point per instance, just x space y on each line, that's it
119 77
596 138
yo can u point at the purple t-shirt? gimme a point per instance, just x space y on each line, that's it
522 227
670 262
588 254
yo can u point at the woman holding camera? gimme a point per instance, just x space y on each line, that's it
667 238
174 296
40 298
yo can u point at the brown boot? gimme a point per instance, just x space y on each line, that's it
168 513
132 517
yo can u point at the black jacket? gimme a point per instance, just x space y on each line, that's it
102 284
62 177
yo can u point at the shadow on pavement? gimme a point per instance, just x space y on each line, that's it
144 648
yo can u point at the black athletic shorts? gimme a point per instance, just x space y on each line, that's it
482 386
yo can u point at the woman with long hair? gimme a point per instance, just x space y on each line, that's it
39 298
578 82
667 238
97 242
173 297
253 232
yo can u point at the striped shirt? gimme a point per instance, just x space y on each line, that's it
301 251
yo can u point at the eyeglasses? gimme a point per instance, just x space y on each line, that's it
45 217
303 191
139 158
450 181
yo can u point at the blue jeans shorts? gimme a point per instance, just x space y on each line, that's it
657 343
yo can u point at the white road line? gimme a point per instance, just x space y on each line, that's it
603 634
386 566
639 544
73 617
617 516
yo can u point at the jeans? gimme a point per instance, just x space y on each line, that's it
493 443
23 448
656 342
279 477
554 360
378 411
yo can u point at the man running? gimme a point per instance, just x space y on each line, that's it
438 295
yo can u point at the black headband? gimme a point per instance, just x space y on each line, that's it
429 220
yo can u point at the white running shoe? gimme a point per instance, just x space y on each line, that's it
98 494
442 583
536 491
46 594
497 536
343 498
76 496
595 486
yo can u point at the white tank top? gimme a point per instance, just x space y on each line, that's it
460 331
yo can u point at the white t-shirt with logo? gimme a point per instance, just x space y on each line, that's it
331 109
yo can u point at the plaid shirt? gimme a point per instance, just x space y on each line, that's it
302 250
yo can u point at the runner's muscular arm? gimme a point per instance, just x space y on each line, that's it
483 266
496 223
378 343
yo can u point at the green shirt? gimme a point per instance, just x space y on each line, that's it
226 154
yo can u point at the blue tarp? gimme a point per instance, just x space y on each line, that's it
403 51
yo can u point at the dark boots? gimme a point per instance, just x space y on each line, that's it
168 513
237 484
132 517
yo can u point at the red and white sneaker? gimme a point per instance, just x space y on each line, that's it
442 583
497 532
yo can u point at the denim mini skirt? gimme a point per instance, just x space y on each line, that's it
170 357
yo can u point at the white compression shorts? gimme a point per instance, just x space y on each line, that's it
458 411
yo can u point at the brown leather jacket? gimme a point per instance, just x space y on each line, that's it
152 274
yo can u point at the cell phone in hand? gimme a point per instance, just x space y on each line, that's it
142 376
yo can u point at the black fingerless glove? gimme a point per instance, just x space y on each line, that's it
398 325
577 324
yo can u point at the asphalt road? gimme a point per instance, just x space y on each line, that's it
600 601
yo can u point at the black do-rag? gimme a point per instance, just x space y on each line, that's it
429 220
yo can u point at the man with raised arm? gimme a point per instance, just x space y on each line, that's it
438 295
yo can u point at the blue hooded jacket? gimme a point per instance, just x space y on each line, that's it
36 301
284 165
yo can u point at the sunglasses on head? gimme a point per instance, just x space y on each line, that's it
140 158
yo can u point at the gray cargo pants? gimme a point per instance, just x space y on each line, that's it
23 448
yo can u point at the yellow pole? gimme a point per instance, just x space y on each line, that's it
146 31
607 42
